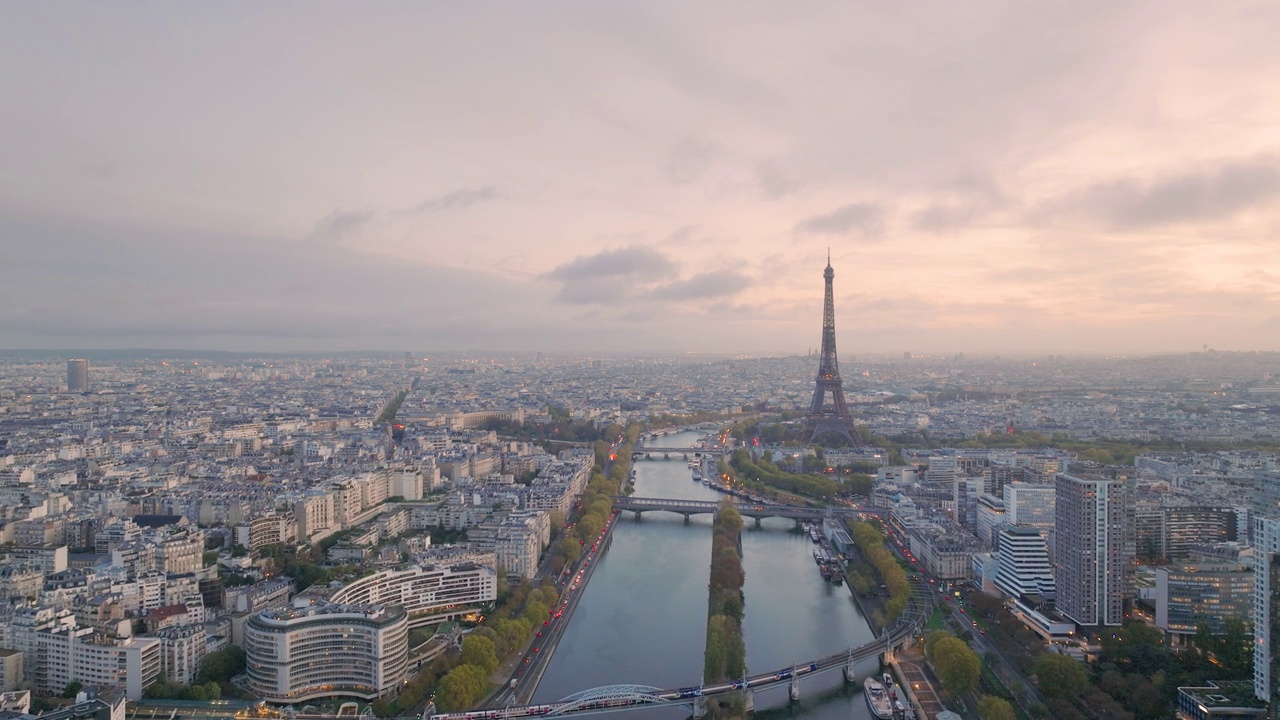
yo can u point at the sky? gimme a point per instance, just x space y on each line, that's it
988 177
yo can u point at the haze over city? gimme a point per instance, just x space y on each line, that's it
621 177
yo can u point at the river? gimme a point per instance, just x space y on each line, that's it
642 619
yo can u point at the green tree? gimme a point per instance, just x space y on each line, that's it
958 667
481 652
461 688
1060 677
223 665
995 708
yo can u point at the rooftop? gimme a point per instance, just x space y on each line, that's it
1225 694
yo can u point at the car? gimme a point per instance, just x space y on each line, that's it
961 609
539 633
548 622
536 649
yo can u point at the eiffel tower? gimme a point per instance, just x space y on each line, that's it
834 418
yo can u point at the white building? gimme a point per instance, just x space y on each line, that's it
430 595
1023 568
182 649
57 651
316 649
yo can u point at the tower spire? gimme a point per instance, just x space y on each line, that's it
835 417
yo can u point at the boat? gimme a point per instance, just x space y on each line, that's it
697 477
877 699
813 534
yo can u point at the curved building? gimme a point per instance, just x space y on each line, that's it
430 594
316 649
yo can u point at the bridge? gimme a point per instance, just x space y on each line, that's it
685 452
613 698
689 508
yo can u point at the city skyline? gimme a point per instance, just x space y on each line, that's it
990 179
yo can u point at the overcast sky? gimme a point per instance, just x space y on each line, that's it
1020 177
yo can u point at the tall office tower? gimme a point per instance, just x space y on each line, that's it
1094 550
833 418
77 375
1266 590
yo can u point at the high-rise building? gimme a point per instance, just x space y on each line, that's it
1094 547
78 375
1266 589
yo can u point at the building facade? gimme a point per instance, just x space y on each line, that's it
316 649
1023 571
430 595
1094 547
1194 593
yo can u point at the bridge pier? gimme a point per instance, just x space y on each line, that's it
699 708
686 518
749 700
638 514
793 690
757 522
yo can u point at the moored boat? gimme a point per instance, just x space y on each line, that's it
877 699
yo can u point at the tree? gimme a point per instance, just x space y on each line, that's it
958 666
460 689
1060 677
71 689
995 708
481 652
223 665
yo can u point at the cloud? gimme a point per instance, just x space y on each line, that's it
1199 195
634 260
689 160
339 224
943 217
774 184
716 283
457 200
609 276
864 218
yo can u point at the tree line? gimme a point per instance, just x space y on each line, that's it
871 544
726 653
764 472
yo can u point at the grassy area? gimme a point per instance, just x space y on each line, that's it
937 621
